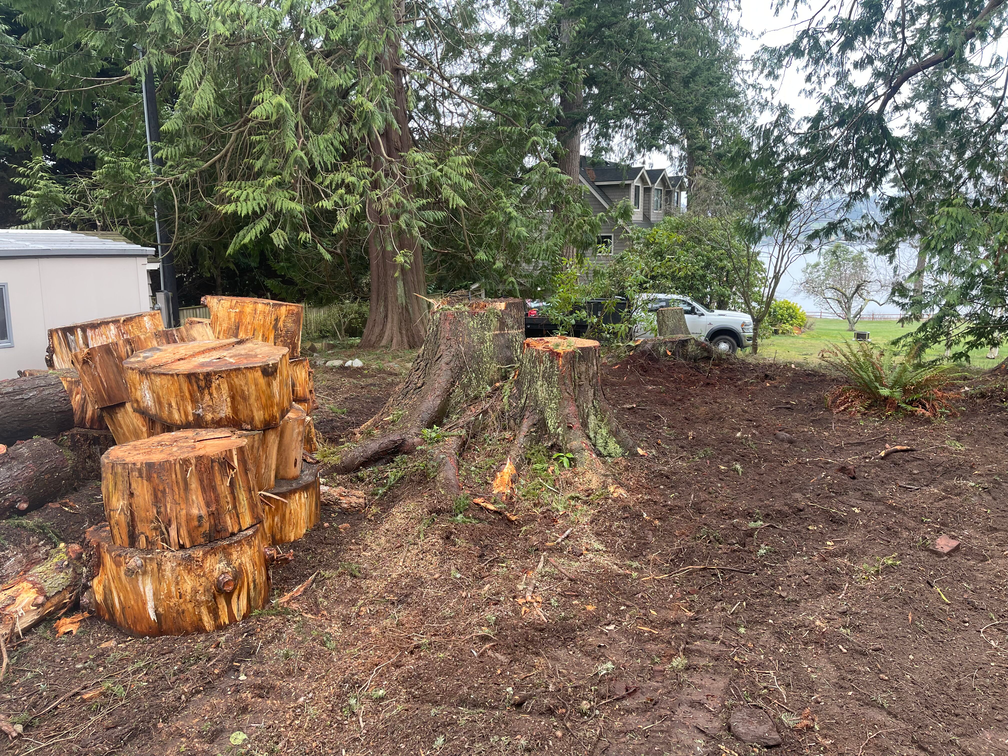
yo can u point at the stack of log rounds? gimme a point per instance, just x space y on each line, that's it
259 319
180 489
212 384
292 507
164 592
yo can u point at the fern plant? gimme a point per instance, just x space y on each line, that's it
889 382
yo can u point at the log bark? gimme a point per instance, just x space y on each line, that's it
671 322
36 405
32 473
258 319
292 507
211 384
63 342
291 444
303 383
46 588
163 592
179 490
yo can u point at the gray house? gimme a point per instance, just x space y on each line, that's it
653 192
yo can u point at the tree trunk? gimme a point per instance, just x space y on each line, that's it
291 445
258 319
36 405
397 312
32 473
63 342
671 322
572 115
47 588
163 592
292 507
180 489
755 337
211 384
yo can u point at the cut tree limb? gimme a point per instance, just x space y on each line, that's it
36 405
46 588
32 474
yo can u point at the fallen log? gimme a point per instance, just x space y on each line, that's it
32 473
37 405
44 589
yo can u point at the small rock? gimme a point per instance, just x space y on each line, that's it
753 726
334 363
944 545
354 364
784 436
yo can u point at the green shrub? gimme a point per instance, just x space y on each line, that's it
785 317
342 320
887 382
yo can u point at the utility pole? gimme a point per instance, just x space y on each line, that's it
164 240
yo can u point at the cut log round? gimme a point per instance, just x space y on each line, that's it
42 590
310 437
36 405
211 384
259 319
262 451
86 413
32 473
180 489
291 445
671 322
198 329
164 592
63 342
559 388
303 383
292 507
129 425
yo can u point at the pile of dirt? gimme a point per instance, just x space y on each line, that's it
755 552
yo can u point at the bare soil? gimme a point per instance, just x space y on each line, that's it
724 567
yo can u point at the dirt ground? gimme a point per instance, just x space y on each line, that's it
723 568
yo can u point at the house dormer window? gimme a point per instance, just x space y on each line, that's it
636 196
657 202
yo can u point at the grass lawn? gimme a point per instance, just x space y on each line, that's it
827 333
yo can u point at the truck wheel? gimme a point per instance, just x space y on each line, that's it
724 344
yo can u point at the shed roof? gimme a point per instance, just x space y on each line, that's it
33 243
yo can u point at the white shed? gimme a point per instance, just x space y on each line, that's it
50 279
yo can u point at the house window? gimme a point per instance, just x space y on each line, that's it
636 196
6 340
604 243
677 200
657 206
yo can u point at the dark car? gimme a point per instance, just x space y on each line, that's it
539 323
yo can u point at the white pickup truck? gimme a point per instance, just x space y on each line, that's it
725 330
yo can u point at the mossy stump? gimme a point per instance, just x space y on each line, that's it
671 321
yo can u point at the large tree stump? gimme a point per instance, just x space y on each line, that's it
36 405
469 349
259 319
291 444
671 322
180 489
44 589
63 342
211 384
560 396
292 507
163 592
32 473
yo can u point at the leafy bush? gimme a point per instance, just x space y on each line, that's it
785 317
342 320
887 382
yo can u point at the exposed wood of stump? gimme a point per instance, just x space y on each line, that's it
163 592
129 425
292 507
36 405
211 384
64 341
560 396
671 322
33 473
468 350
291 444
303 383
180 489
198 329
262 451
259 319
42 590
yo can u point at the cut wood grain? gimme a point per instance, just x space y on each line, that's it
44 589
292 507
164 592
262 451
259 319
180 489
211 384
303 383
198 329
291 444
66 340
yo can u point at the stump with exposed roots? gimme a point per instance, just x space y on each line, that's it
477 373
